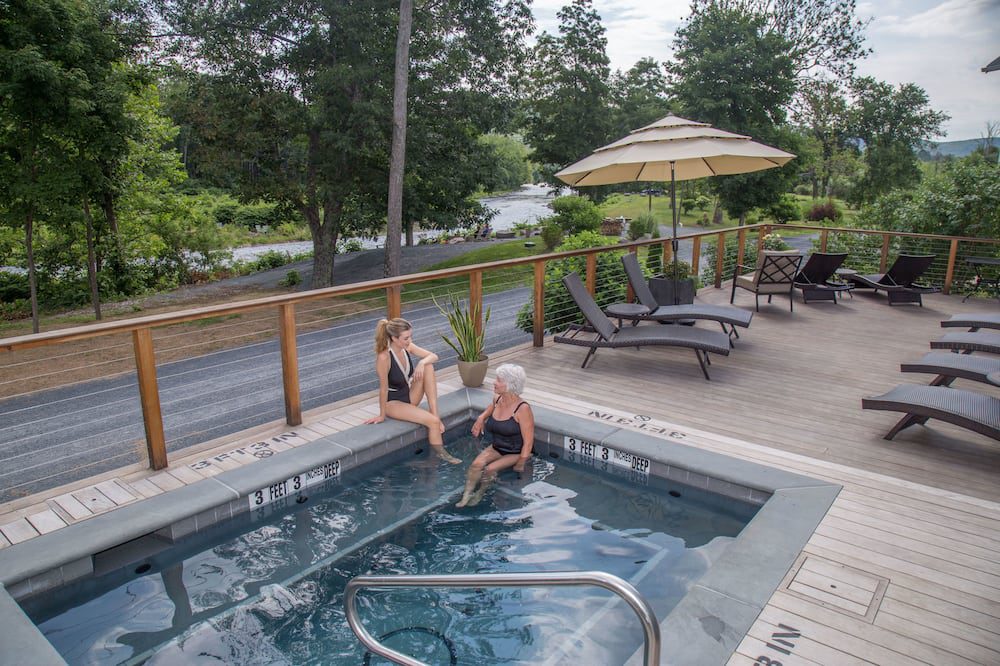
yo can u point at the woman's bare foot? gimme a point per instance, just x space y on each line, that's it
441 453
477 497
464 501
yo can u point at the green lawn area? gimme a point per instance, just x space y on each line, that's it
633 205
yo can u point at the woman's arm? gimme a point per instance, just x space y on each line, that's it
477 427
382 370
426 357
526 419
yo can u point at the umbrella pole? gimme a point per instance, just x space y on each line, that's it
674 244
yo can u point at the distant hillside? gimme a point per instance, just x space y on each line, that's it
932 151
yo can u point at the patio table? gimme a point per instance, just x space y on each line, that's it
993 280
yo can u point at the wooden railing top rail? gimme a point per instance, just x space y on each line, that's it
166 319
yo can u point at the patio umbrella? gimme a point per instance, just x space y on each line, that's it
676 149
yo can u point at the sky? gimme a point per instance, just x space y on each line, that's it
940 45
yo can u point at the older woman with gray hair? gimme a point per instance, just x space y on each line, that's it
511 423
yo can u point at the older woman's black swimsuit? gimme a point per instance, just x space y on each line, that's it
507 437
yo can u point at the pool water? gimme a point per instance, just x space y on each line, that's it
268 588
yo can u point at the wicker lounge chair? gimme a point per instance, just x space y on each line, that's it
774 274
948 367
815 280
968 409
980 341
653 311
973 322
606 334
900 281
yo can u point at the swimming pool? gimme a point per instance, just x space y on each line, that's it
735 571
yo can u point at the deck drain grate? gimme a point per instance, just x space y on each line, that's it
837 586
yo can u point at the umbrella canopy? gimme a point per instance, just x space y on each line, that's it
672 149
696 149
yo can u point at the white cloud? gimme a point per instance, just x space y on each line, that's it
955 18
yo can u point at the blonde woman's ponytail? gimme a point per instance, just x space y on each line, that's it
386 329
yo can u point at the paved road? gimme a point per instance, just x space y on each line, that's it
61 435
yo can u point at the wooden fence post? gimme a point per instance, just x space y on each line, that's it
741 242
289 364
949 274
629 292
695 255
720 258
394 301
592 273
823 236
476 297
884 260
538 324
149 397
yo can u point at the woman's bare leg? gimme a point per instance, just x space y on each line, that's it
427 389
489 475
475 473
406 412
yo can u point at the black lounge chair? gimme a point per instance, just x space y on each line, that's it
774 274
948 367
968 409
608 335
900 281
973 322
815 280
724 314
966 343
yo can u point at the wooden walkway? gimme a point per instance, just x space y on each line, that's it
904 569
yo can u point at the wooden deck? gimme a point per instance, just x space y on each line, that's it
904 569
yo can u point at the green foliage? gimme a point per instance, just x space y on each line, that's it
775 242
348 245
552 235
291 279
468 343
785 209
680 270
639 96
827 210
574 214
560 309
640 226
509 166
654 255
703 202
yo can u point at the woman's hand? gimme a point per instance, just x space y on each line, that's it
477 427
418 373
375 419
519 465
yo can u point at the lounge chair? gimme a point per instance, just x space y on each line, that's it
900 281
948 367
973 322
774 274
968 409
608 335
815 280
980 341
653 311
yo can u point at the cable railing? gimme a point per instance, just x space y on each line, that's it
284 338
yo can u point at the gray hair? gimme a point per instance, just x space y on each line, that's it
513 376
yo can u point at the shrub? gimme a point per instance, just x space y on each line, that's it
552 235
640 226
19 308
785 209
349 245
824 211
575 214
702 202
682 271
560 309
270 259
13 286
291 279
687 205
774 242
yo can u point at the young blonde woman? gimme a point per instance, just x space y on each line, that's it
510 421
404 382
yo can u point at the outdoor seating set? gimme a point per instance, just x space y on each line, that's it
969 409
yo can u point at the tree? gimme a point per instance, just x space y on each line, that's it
507 165
731 72
569 112
297 101
891 122
821 34
822 112
639 96
397 159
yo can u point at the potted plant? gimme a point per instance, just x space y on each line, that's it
670 288
468 342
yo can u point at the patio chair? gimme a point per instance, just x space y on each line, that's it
967 409
774 274
900 281
948 367
966 343
815 280
973 322
651 309
608 335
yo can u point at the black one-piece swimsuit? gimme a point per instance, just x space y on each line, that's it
507 437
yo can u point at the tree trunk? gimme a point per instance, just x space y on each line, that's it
397 162
95 295
717 214
743 218
409 234
29 233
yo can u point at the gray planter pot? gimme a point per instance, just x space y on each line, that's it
663 291
473 372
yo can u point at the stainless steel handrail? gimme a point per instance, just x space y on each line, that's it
624 589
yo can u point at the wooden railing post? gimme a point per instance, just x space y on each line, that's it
289 364
741 243
592 273
949 274
823 236
394 301
668 251
476 297
149 397
761 232
720 258
629 292
695 255
884 260
538 324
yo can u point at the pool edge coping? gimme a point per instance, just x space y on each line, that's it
711 619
